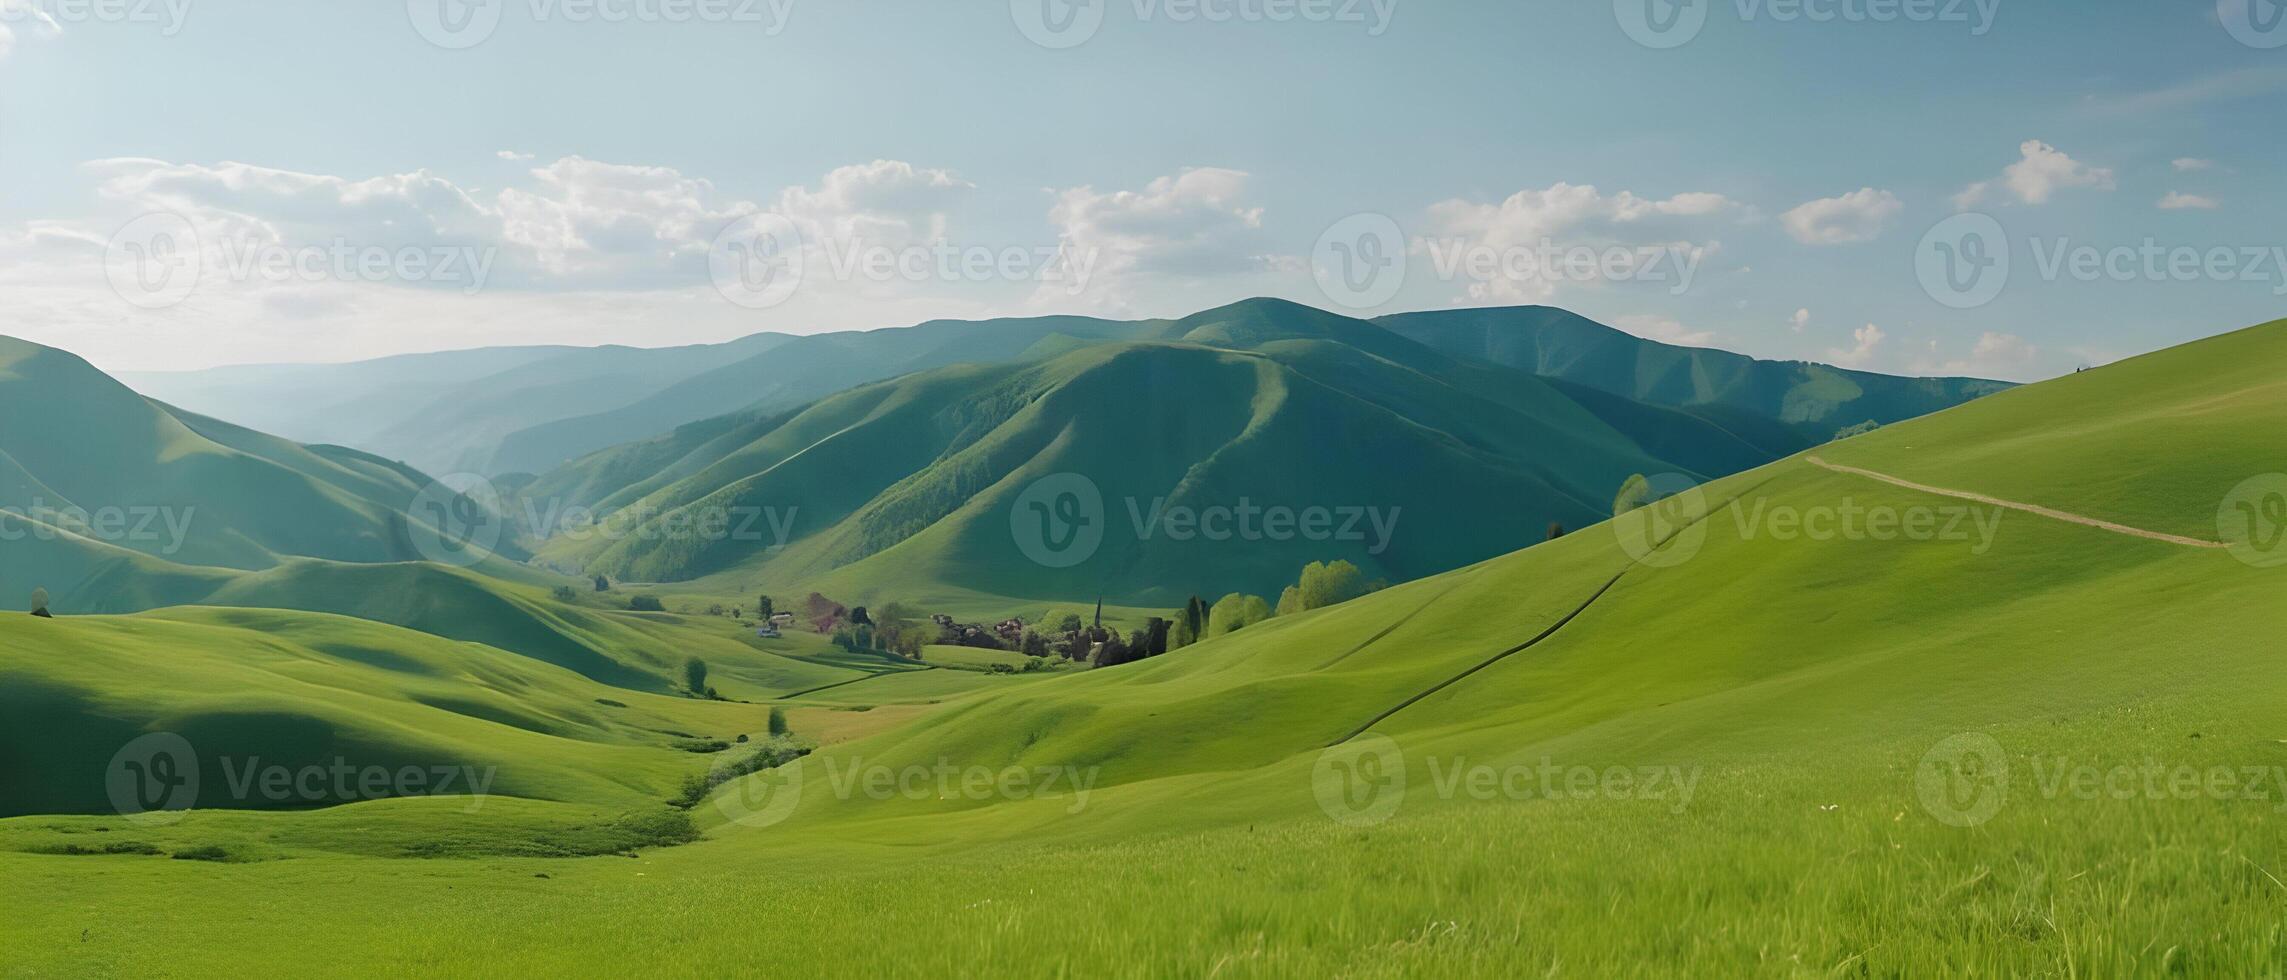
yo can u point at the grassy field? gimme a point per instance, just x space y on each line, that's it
1832 726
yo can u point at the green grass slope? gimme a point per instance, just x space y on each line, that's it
299 689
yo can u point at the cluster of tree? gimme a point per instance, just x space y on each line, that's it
1323 584
893 630
645 603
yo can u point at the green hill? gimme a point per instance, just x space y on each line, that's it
1416 462
509 410
84 453
1815 400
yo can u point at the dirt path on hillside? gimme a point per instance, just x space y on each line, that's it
2056 515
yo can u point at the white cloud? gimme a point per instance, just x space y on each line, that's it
1574 215
1195 225
2192 164
2041 172
1869 340
886 202
513 157
1858 216
579 251
2177 201
1666 330
1801 319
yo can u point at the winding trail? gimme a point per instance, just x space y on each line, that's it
2055 515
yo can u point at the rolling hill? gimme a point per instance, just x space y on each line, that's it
529 410
81 452
1737 740
1416 463
1812 400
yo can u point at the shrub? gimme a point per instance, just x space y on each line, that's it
565 593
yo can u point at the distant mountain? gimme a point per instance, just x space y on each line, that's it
445 412
1813 400
913 485
792 373
509 410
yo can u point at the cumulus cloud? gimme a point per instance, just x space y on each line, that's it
1869 340
575 221
1195 224
886 202
1801 319
2185 165
2178 201
1858 216
2042 171
512 156
1572 216
606 252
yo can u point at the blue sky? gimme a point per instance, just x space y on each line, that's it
592 168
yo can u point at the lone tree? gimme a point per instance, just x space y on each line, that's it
40 604
778 724
695 676
1555 530
763 609
603 584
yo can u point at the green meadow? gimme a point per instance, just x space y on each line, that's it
1792 721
